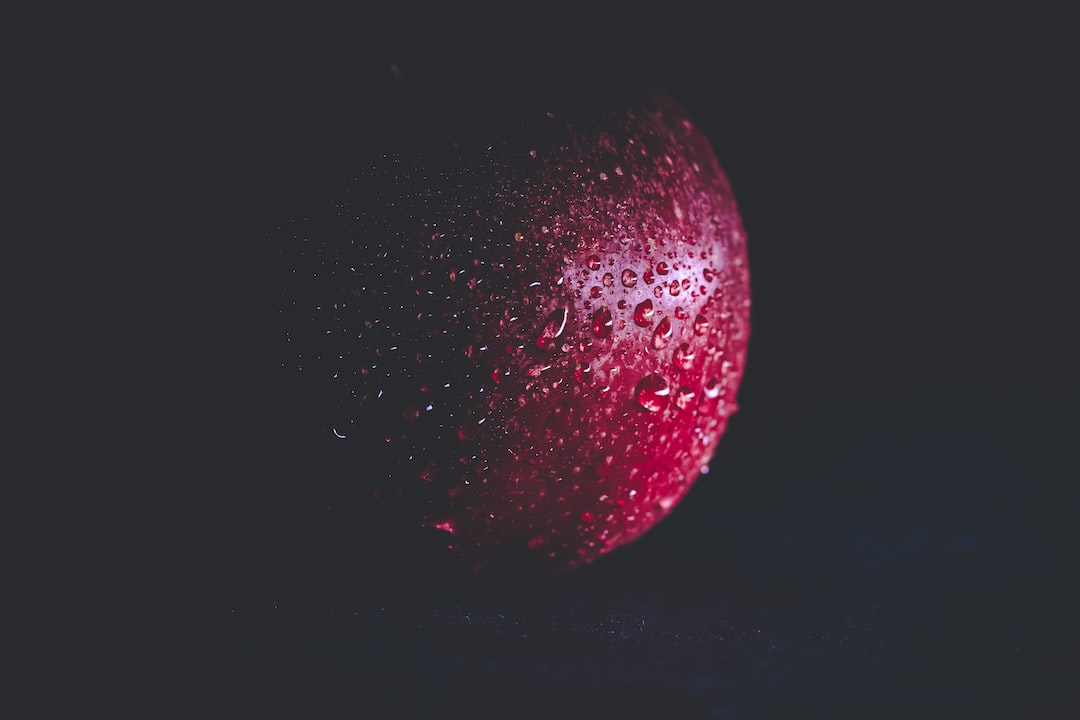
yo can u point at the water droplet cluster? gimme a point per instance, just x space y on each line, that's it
528 351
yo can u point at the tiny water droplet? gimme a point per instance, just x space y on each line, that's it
608 279
535 369
622 304
658 291
593 262
552 329
712 388
674 288
662 334
648 276
683 357
581 372
680 314
683 397
601 325
652 392
629 278
643 313
594 291
701 325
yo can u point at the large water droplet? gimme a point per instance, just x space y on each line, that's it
662 334
643 313
601 325
701 325
652 392
629 278
552 329
683 357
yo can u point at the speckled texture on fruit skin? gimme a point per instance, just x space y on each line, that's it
525 349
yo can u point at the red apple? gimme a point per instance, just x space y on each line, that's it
523 346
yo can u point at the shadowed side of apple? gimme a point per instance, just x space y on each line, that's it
513 351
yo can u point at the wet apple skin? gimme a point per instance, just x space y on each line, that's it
522 350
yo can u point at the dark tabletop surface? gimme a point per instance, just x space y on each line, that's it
887 528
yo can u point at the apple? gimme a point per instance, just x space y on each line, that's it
513 350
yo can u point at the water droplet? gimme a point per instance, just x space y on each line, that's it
594 291
581 372
658 291
683 397
608 279
518 237
662 334
552 329
535 369
601 325
680 313
445 526
629 278
701 325
593 262
707 274
652 392
712 388
683 357
649 277
622 304
643 313
662 268
674 288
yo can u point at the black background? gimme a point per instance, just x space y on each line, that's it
887 526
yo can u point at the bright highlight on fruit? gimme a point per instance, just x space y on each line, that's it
523 349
